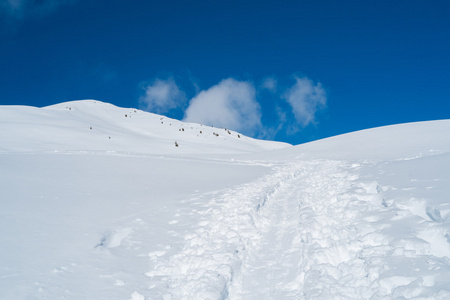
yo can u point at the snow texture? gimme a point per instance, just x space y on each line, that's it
98 203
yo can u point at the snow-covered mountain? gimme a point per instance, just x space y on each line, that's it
90 125
97 202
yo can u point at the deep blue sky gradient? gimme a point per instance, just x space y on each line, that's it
381 62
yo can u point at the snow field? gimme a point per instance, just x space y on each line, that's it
82 225
117 211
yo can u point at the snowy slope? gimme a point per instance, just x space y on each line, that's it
90 125
364 215
402 141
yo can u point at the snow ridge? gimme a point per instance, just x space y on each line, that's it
90 125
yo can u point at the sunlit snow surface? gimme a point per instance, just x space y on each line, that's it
97 202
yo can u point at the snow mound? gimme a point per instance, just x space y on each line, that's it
405 141
401 141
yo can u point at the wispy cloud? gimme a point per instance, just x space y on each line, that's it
229 104
305 98
161 96
20 9
278 122
270 84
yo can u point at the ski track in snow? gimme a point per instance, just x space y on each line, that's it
309 230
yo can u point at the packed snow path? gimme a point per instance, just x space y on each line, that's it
310 230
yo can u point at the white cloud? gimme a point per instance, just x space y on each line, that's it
162 96
234 105
270 84
229 104
22 8
305 99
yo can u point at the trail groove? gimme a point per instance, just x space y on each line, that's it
308 230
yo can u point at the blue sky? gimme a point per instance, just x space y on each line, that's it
291 71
